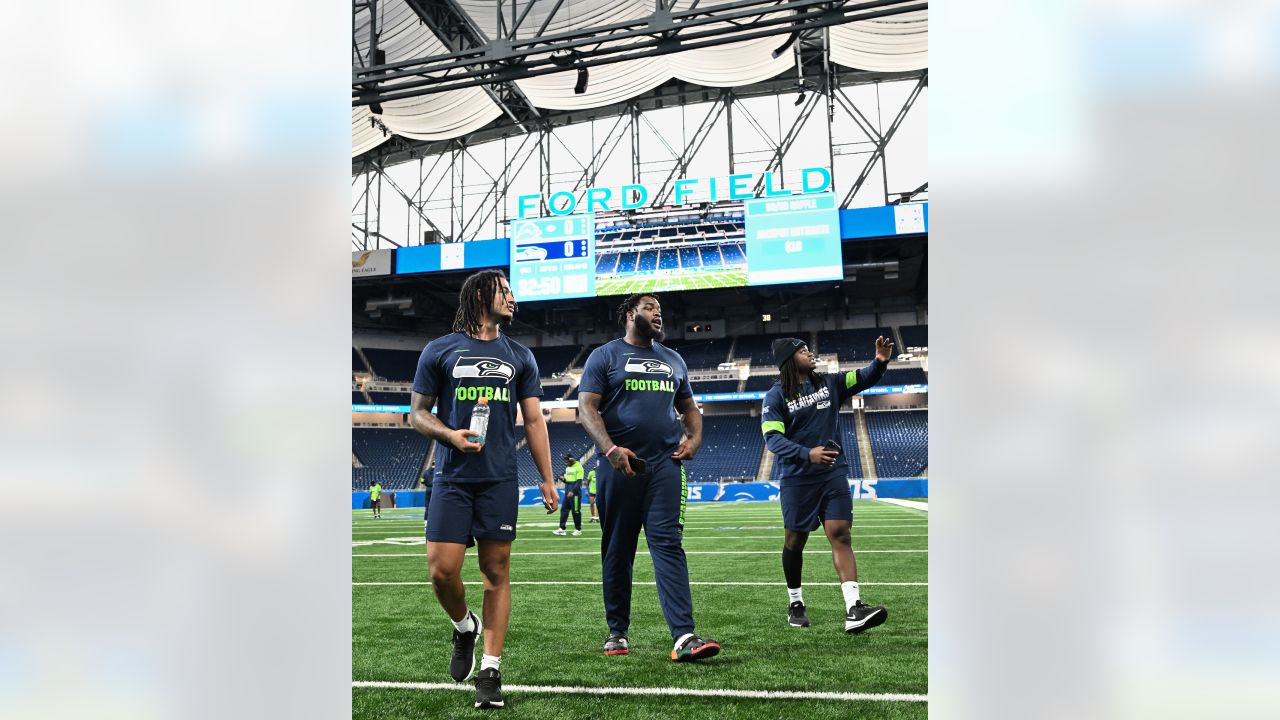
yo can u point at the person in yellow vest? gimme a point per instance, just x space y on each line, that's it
375 498
591 492
572 495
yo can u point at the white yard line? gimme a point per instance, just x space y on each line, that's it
646 552
657 691
652 583
913 504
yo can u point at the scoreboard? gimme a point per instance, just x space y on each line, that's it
553 258
793 239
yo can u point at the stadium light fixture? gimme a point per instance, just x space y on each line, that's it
791 40
581 86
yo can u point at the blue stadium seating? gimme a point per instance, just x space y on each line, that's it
903 376
389 398
553 391
715 386
357 398
626 263
700 354
393 364
733 254
582 359
648 261
711 256
607 264
731 447
848 441
852 345
668 259
689 258
899 442
393 457
915 335
555 358
759 347
760 383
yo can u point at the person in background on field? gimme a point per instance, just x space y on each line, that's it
572 495
375 498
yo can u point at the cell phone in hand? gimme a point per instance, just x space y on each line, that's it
638 465
833 445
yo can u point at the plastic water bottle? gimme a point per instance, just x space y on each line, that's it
479 421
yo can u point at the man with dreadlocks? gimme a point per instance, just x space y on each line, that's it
630 393
475 494
800 421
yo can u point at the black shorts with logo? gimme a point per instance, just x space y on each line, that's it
459 512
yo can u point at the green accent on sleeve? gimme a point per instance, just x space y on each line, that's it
770 425
850 379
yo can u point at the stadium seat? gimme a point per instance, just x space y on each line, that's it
357 398
393 457
915 336
759 348
731 447
714 386
393 364
760 383
851 345
700 354
389 398
554 358
899 442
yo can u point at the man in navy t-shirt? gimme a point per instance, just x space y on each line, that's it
800 420
630 393
474 494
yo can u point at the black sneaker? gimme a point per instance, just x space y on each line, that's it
695 648
796 616
489 689
463 662
616 644
863 617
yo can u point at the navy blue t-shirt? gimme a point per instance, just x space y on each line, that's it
638 389
792 427
457 370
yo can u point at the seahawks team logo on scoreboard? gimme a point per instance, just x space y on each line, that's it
483 367
653 367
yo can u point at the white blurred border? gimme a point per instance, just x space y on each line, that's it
1105 391
174 532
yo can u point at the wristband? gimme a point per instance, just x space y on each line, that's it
609 452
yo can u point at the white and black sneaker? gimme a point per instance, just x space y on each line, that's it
489 689
863 617
558 531
796 616
616 644
463 662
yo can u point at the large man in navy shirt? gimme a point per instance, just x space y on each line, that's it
630 393
800 420
474 494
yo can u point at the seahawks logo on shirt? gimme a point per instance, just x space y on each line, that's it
483 367
653 367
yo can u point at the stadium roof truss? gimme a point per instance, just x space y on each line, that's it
433 80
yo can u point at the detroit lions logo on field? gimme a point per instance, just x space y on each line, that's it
483 367
653 367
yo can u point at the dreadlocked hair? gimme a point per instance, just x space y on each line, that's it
791 379
474 301
631 303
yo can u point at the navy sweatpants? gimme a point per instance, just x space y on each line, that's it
654 501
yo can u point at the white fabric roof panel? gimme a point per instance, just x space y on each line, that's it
889 44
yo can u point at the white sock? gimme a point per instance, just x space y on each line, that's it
796 594
490 661
850 590
683 637
465 624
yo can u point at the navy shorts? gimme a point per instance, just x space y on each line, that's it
805 507
461 512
